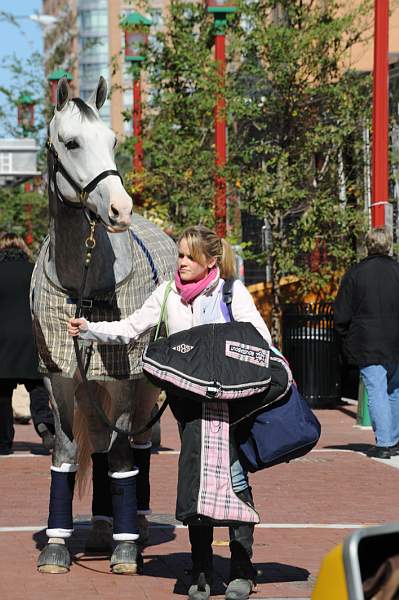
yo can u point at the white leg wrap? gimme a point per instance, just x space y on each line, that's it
65 468
125 537
59 533
124 475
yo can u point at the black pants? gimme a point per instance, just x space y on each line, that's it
39 407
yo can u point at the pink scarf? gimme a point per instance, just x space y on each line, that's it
191 289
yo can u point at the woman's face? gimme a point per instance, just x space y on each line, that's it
189 269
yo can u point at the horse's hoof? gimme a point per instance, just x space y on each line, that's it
144 530
126 559
54 558
100 537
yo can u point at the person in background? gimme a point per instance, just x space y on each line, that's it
366 317
18 356
196 298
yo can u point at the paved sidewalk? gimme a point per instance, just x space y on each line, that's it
306 508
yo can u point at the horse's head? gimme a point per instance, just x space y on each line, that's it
84 149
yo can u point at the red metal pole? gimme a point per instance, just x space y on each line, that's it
380 172
138 146
220 139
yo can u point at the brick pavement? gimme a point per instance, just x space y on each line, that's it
306 508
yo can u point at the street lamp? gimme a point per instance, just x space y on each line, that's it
136 28
26 113
220 9
53 79
379 192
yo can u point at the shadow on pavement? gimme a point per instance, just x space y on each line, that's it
76 543
177 566
32 447
362 448
347 411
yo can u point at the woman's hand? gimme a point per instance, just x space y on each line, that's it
75 326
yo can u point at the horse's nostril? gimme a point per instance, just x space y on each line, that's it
115 211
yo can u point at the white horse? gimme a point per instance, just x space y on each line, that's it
95 243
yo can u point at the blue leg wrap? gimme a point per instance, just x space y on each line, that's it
102 501
61 496
124 506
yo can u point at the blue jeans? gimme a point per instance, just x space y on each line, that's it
239 477
382 385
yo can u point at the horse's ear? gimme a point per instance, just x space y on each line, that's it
62 93
99 96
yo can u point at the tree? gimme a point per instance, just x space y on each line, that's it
177 183
300 111
296 112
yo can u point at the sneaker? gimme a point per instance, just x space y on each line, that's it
46 435
381 452
394 449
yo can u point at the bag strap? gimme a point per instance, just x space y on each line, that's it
163 316
227 296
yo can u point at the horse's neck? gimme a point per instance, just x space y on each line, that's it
111 258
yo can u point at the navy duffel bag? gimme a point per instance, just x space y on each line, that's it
286 430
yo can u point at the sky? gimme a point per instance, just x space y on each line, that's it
12 40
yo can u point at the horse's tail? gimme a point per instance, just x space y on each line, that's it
86 443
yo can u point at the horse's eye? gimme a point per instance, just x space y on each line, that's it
72 145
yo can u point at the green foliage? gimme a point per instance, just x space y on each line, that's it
178 140
17 207
296 113
298 149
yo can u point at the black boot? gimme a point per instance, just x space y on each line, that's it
201 538
242 573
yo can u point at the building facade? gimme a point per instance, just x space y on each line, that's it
98 49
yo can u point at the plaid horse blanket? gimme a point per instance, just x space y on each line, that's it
152 253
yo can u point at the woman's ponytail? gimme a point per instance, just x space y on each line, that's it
227 263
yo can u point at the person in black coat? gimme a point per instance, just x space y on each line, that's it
366 318
18 356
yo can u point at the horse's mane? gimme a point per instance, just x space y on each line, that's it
85 110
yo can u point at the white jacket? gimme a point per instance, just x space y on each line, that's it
208 307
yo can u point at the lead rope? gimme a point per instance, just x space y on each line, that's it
90 244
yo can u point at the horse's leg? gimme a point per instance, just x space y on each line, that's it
126 558
100 534
55 557
147 396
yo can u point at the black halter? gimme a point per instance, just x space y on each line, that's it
83 192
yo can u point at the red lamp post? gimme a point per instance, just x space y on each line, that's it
380 175
26 120
136 28
53 80
220 9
